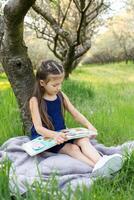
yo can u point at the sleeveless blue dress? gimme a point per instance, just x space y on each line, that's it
55 115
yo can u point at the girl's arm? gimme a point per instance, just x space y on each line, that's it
33 104
76 114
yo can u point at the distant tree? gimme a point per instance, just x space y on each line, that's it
116 43
129 4
123 31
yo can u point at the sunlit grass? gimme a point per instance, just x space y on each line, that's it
10 123
4 85
108 74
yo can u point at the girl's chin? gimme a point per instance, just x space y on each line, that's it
53 94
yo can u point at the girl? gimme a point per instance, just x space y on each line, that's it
47 106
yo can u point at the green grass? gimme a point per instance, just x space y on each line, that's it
10 123
105 95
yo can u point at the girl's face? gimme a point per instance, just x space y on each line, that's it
53 85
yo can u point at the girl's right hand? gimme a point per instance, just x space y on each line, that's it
60 137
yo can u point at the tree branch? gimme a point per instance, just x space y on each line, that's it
88 5
77 5
96 9
14 12
81 50
54 51
64 34
17 9
65 15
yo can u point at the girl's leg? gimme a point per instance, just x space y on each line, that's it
88 149
74 151
107 165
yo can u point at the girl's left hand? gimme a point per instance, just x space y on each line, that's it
92 128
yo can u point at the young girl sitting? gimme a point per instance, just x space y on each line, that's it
47 106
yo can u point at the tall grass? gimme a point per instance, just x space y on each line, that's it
105 95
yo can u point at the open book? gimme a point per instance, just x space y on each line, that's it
41 144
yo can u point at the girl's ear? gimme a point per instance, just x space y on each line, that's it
42 83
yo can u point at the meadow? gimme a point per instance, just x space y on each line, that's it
105 95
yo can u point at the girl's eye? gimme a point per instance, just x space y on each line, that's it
56 85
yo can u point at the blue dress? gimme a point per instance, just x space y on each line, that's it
55 115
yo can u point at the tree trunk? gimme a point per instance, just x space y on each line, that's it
70 65
15 60
68 61
126 61
1 29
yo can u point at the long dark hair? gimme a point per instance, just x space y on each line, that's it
47 67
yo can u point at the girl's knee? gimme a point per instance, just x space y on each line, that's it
74 147
70 148
81 140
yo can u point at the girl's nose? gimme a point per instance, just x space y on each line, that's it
59 87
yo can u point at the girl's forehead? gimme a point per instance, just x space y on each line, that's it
55 78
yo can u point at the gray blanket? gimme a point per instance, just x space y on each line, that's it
25 170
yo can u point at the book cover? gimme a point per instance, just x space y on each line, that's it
41 144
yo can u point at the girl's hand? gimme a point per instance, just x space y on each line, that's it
92 128
60 137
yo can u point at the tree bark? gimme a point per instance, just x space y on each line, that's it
15 60
68 61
